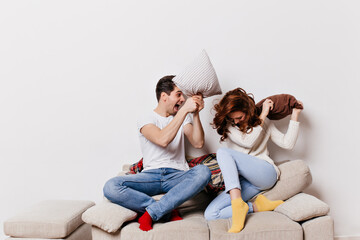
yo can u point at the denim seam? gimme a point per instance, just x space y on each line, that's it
139 181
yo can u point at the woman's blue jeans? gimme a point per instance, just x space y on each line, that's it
249 174
135 191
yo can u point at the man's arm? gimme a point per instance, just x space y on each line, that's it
163 137
195 132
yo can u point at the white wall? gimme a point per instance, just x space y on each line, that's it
75 76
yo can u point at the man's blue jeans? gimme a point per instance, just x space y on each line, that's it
135 191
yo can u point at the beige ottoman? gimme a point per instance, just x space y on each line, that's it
52 219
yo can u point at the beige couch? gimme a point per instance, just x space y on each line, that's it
302 216
50 219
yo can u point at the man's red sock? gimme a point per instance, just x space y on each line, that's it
175 216
145 222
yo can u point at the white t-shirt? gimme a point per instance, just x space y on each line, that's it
154 156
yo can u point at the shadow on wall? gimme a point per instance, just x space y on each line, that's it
302 149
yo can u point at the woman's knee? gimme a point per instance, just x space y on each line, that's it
267 180
211 214
222 153
268 185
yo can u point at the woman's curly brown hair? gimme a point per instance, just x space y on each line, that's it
235 100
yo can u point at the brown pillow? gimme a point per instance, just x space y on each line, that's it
283 105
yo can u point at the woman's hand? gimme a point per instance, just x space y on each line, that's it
268 105
296 112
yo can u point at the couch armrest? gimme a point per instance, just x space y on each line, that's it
320 228
126 167
122 173
302 207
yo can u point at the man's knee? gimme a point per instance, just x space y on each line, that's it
203 171
111 187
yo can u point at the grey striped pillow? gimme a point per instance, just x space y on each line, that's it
199 77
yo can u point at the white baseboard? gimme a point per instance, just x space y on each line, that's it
347 238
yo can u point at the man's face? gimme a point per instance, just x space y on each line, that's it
174 101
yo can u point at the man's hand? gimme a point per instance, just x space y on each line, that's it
199 101
191 105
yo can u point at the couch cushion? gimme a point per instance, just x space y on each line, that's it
302 207
108 216
261 225
47 219
193 226
81 233
295 177
320 228
199 202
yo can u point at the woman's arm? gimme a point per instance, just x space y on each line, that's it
268 105
288 139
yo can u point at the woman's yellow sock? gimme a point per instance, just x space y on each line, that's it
264 204
239 212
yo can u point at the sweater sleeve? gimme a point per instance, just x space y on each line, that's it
287 140
246 140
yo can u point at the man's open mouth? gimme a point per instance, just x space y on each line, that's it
176 107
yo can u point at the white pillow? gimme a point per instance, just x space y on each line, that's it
199 77
108 216
302 207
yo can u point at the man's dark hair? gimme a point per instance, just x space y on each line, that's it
166 85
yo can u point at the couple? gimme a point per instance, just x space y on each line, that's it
245 165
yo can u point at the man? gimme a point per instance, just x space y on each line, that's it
165 170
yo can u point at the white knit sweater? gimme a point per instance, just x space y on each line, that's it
255 143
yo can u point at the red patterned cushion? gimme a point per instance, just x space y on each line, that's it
216 183
136 167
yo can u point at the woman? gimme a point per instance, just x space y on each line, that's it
246 166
